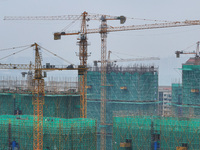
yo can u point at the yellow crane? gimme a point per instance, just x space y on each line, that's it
38 92
103 30
82 42
127 59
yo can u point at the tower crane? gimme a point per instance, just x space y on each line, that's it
38 92
82 42
183 52
126 60
194 61
111 62
103 30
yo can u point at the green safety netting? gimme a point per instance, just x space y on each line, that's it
61 106
58 133
185 111
124 86
126 91
177 93
191 84
141 130
185 96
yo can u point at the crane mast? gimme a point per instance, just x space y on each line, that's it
197 50
83 54
38 93
103 33
38 102
82 44
103 30
83 61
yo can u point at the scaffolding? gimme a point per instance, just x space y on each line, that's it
148 132
61 106
58 133
129 89
191 84
53 85
177 93
186 97
132 83
177 101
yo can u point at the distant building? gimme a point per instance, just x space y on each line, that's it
165 97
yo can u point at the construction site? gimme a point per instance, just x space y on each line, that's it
107 106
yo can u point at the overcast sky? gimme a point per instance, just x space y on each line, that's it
133 44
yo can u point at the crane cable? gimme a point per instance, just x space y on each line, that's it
56 55
137 18
127 54
14 53
67 27
188 47
28 46
13 48
149 20
117 56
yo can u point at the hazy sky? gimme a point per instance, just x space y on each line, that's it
147 43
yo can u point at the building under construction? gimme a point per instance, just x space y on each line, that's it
132 111
62 126
118 110
179 130
154 132
186 97
130 89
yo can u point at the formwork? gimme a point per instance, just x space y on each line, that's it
144 132
58 133
129 89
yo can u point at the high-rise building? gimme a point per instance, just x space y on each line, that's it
165 97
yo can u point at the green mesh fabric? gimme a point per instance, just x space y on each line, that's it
186 97
173 132
117 108
140 97
58 133
191 84
185 111
177 93
61 106
140 86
